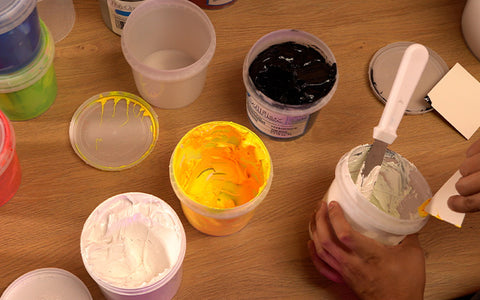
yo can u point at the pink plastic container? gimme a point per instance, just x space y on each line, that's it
10 173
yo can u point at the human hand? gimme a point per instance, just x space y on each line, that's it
371 269
468 186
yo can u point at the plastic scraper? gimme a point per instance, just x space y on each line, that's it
409 72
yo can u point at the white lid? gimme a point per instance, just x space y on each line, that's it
47 283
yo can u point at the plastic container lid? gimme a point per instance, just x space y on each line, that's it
35 70
47 283
113 131
14 12
383 68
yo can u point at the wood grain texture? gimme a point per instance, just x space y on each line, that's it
40 227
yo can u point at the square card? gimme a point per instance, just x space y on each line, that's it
457 98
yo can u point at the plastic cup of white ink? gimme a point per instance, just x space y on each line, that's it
394 207
169 45
289 75
133 246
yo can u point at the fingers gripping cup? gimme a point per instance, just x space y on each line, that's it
168 44
10 173
133 245
221 172
392 209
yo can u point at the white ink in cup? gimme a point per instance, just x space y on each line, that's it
394 208
169 45
133 245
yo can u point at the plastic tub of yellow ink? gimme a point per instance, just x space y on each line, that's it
30 91
221 171
113 131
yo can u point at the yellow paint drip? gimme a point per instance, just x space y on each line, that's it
221 165
421 208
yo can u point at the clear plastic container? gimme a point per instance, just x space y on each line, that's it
10 173
204 170
20 32
404 180
30 91
59 15
169 45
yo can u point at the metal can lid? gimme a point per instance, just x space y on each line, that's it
383 68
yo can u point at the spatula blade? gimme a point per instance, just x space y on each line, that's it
374 156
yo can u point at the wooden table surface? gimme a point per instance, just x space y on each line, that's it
40 227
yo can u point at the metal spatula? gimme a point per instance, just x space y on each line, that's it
409 72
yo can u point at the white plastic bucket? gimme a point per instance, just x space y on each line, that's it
367 218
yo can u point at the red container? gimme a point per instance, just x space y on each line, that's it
213 4
10 173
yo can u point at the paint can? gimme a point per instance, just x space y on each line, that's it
47 283
213 4
10 173
392 212
19 34
284 121
169 64
220 171
116 12
30 91
133 246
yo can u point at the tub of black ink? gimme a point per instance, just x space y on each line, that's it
19 34
289 76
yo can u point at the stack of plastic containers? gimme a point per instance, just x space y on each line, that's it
28 84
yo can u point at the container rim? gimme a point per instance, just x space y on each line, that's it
220 213
189 71
280 36
14 13
35 70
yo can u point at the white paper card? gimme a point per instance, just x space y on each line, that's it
457 98
438 206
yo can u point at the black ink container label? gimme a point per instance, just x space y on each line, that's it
275 124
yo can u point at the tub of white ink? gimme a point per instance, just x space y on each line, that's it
133 246
393 208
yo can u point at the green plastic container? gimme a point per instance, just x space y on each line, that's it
30 91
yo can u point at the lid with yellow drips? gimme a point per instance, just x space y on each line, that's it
113 131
